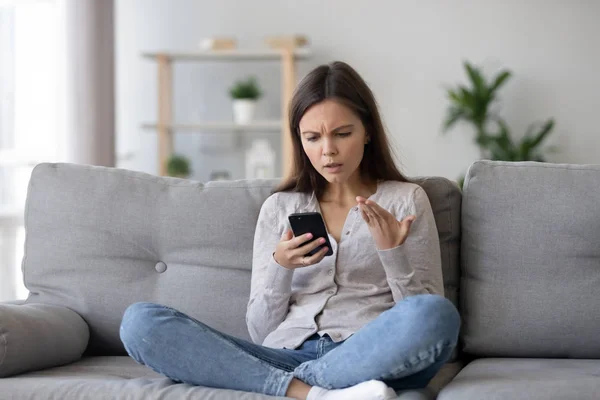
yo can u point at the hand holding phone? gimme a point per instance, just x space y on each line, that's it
303 249
311 222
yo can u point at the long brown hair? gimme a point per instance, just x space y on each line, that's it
340 82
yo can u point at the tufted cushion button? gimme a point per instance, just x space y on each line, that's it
161 267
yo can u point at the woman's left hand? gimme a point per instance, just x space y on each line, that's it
386 230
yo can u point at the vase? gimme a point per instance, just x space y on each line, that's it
243 110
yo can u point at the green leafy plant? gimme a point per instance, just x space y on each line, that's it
178 166
472 104
246 89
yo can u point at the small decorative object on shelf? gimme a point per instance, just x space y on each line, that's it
178 166
220 176
260 160
286 42
218 43
245 94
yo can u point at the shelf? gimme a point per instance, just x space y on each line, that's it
164 125
222 126
229 55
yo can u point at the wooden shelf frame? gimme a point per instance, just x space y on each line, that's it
165 125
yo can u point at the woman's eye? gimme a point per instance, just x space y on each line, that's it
344 134
311 139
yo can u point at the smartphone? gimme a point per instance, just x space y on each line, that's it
311 222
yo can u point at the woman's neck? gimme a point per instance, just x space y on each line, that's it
344 194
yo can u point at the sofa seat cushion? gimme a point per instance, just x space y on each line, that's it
521 378
120 377
114 377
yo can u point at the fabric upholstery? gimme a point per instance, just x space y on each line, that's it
531 379
100 239
104 377
38 336
446 198
109 377
530 257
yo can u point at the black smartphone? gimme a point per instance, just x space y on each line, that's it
311 222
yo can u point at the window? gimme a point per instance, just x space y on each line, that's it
29 118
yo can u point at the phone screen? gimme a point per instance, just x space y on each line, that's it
311 222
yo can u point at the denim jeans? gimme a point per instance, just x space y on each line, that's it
405 347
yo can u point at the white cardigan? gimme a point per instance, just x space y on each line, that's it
352 287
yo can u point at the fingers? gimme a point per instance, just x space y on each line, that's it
368 212
364 214
317 257
377 209
309 247
405 225
305 261
287 235
299 240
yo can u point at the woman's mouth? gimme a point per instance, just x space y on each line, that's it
333 167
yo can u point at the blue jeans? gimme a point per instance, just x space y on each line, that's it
404 347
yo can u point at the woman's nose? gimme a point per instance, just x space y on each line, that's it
329 148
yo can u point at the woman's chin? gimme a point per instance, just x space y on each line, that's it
336 179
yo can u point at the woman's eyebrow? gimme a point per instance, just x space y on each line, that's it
333 130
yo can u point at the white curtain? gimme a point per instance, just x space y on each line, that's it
56 104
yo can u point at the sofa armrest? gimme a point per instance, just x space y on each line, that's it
38 336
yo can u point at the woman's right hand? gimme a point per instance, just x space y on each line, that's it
290 252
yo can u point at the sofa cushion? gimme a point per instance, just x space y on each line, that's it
99 239
112 377
37 336
117 377
446 199
531 260
531 379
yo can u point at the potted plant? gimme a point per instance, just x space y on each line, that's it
493 137
245 94
178 166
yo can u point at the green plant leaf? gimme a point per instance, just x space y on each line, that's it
477 79
461 181
245 89
467 98
454 115
524 150
502 146
499 80
456 98
472 104
178 165
544 131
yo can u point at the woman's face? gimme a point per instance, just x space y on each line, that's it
334 139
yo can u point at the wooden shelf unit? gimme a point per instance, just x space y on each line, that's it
165 126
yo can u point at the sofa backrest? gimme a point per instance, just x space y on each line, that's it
531 260
99 239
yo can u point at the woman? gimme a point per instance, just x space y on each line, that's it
369 319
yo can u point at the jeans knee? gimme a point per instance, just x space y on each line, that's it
439 314
137 322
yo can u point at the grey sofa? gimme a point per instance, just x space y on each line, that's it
520 252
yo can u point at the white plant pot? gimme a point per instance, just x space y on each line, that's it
243 110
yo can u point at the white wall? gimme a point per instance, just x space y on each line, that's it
406 50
